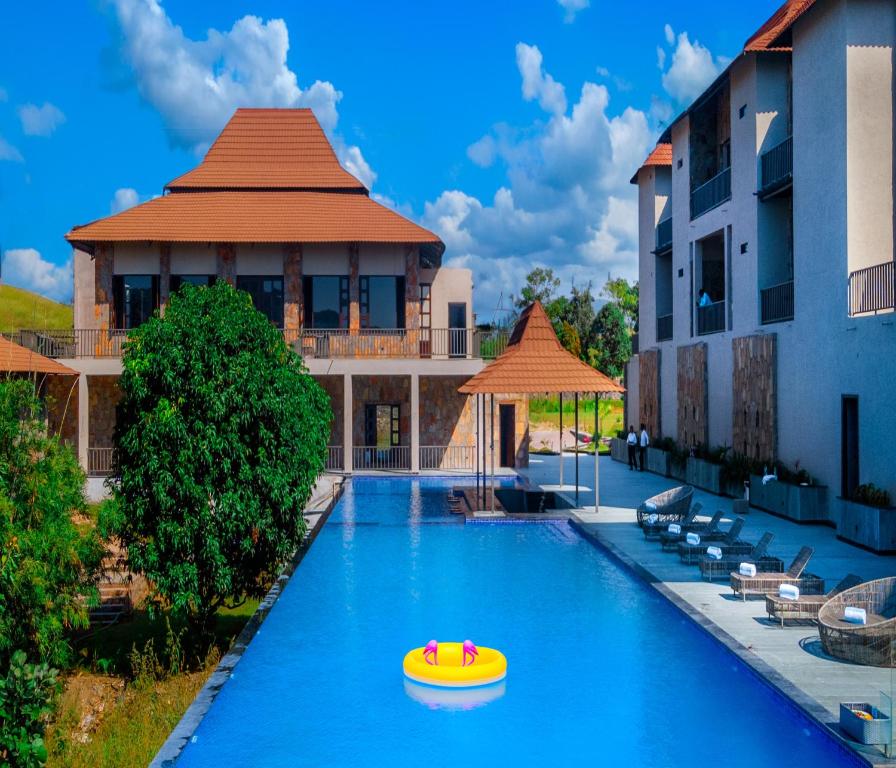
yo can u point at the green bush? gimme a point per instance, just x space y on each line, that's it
871 495
27 693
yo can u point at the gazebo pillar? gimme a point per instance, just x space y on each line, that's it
596 451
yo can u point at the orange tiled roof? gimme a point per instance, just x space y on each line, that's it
780 22
269 149
661 156
15 358
535 363
256 217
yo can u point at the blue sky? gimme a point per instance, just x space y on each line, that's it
510 128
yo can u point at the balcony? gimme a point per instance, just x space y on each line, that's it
711 318
664 236
776 169
430 343
711 194
99 462
872 289
776 303
664 328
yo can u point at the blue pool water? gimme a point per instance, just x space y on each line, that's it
601 670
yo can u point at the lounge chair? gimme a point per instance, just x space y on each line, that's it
711 568
762 582
669 506
805 607
872 643
728 541
653 531
706 531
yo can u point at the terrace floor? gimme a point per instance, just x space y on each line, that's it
793 654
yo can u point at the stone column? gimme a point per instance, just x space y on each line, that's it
412 288
227 263
164 275
415 423
354 290
347 424
292 290
83 421
103 299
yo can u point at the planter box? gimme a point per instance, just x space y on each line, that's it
702 474
659 461
870 527
802 503
678 471
877 731
619 450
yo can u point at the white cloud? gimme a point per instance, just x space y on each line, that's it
9 152
124 198
197 84
26 268
40 120
537 84
566 202
692 68
572 7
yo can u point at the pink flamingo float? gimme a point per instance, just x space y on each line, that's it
431 650
469 650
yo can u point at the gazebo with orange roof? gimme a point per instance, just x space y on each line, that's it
536 363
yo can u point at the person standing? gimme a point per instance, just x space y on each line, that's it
643 442
632 442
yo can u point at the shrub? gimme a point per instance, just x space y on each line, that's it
871 495
27 693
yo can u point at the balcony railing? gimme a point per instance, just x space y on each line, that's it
776 168
450 457
371 457
872 289
664 328
99 462
776 303
664 235
437 343
711 194
335 460
711 318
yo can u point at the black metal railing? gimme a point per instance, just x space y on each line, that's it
872 289
776 303
664 328
711 318
777 167
711 194
664 235
99 462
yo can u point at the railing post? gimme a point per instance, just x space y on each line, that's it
415 423
83 422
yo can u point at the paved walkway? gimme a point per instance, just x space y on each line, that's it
794 652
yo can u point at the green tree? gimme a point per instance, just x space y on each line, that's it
220 437
27 694
569 338
614 343
541 285
48 568
625 296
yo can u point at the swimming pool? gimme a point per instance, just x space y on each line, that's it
601 669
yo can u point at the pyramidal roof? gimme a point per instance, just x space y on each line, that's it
535 362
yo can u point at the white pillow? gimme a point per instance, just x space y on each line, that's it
674 528
855 615
650 505
789 591
714 552
747 569
693 539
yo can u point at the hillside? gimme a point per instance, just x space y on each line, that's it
23 309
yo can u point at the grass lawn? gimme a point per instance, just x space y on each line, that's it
24 309
544 413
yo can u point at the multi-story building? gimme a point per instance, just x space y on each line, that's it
358 289
772 193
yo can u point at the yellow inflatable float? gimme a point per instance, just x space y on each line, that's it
455 665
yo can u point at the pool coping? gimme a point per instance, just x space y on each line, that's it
185 729
765 673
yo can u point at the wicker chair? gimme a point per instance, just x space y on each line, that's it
669 506
873 643
707 531
653 531
728 542
711 568
761 583
805 607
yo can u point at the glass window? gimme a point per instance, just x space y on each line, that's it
382 425
178 280
135 298
326 301
382 301
425 305
267 295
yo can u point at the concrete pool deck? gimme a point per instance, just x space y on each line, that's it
790 658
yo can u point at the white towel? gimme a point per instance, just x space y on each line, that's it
855 615
651 519
650 505
714 552
674 528
747 569
789 591
693 539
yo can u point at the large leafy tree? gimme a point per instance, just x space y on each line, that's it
48 568
625 296
614 343
220 437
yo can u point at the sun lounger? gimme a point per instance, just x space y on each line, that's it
762 582
711 568
653 531
706 531
805 607
728 541
872 643
669 506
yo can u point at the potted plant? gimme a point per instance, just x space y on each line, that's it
866 724
790 493
704 468
868 519
659 456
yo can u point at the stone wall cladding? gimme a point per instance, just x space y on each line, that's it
335 388
446 416
292 287
354 289
692 395
412 288
103 394
164 274
227 263
381 390
103 286
649 391
61 394
755 396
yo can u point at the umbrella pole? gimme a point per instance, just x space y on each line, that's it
577 447
561 441
493 451
476 416
596 449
